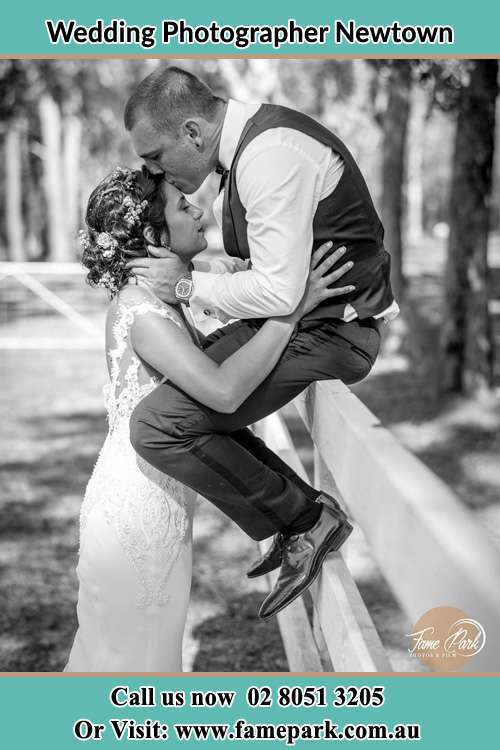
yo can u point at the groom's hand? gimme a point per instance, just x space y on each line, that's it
161 272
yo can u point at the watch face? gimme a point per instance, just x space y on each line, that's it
183 288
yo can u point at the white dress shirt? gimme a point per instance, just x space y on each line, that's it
281 177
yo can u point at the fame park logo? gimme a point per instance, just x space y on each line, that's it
445 638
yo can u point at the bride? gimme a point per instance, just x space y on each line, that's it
134 566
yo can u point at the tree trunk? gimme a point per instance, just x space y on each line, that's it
395 126
467 338
72 143
13 194
50 120
415 187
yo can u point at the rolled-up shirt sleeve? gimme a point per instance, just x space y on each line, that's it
278 185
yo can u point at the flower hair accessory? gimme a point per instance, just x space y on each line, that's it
134 210
103 241
108 282
107 243
128 174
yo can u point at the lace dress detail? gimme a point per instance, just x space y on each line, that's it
149 511
121 403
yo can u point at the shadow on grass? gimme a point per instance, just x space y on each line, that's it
55 466
456 439
68 425
237 641
446 460
36 631
41 489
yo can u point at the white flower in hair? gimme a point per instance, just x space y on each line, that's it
134 210
120 172
107 281
107 243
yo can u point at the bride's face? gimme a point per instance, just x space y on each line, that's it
187 237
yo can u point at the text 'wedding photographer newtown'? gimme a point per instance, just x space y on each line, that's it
179 33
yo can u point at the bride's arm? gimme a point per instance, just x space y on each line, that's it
225 386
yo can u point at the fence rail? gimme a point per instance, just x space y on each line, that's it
86 335
431 550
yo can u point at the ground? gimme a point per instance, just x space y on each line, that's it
53 425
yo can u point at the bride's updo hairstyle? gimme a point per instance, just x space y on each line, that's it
118 211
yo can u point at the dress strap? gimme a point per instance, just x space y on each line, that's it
154 304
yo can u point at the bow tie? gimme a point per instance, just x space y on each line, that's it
224 174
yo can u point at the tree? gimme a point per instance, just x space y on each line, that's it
466 341
420 111
13 126
391 96
13 195
61 128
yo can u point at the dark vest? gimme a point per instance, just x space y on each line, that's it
347 217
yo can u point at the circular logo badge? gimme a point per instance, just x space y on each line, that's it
445 638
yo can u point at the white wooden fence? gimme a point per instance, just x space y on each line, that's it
430 549
85 334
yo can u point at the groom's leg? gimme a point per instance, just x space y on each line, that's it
192 443
221 472
258 448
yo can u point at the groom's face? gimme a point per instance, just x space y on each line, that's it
176 156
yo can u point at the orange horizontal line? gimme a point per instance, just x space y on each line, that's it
253 56
250 674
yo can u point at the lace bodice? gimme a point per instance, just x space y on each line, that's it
129 380
149 511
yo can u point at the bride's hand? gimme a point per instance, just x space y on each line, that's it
321 277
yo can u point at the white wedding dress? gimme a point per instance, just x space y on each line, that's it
134 564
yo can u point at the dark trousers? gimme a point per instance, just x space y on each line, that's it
216 455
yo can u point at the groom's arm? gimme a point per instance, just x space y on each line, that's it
219 264
279 188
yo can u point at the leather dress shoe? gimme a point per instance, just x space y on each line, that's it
271 559
303 555
332 503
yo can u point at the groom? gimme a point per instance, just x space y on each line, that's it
288 185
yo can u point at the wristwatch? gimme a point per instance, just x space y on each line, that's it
184 289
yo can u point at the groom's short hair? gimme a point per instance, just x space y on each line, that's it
167 97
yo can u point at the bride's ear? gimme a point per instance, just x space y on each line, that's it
149 235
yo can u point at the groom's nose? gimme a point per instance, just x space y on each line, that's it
154 167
